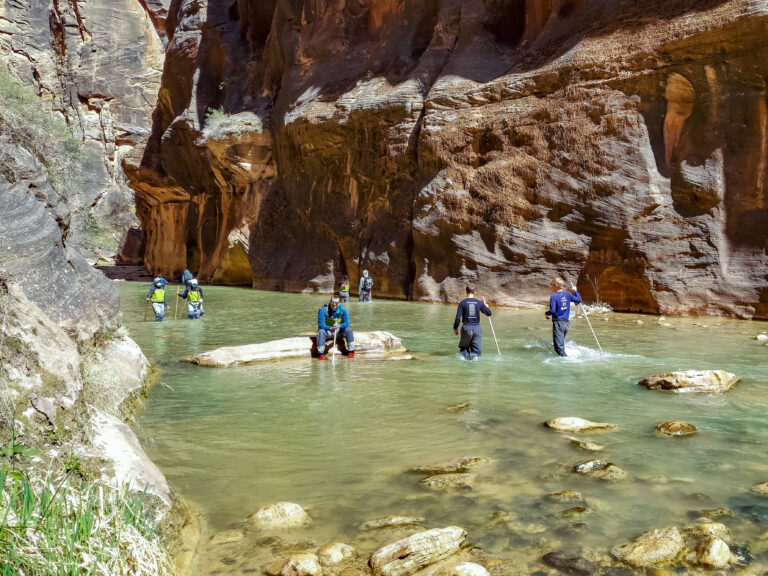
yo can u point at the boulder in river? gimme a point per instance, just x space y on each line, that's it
589 466
391 522
570 564
335 553
446 481
465 464
566 496
575 424
410 554
280 515
651 549
467 569
761 489
296 565
713 553
370 343
691 381
676 428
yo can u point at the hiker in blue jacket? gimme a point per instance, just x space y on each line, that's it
559 311
468 314
332 319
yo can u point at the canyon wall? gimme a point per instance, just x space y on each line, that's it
621 144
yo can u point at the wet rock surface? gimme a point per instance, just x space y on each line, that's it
575 424
691 381
652 548
280 515
408 555
676 428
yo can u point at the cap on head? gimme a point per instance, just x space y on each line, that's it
158 280
193 281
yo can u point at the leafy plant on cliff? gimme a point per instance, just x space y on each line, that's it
220 125
29 122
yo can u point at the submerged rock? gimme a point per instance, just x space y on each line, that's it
467 569
466 464
588 446
445 481
335 553
589 466
372 343
458 408
391 522
227 537
610 472
565 496
651 548
280 515
706 529
410 554
569 564
690 381
713 553
676 428
575 424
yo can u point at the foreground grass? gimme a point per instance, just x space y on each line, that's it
55 528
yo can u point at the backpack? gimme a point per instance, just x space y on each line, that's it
368 283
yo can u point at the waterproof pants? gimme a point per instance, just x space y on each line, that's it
344 296
159 309
365 295
194 310
324 335
559 330
471 340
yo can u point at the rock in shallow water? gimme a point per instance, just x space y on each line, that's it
676 428
575 424
391 522
761 489
691 381
410 554
467 569
296 565
280 515
465 464
335 553
569 564
713 552
446 481
651 548
588 446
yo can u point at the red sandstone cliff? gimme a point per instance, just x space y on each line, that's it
505 141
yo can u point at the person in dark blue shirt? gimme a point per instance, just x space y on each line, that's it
468 314
332 319
559 311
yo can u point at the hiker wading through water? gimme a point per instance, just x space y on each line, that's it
332 319
157 297
344 288
194 297
468 313
366 285
560 311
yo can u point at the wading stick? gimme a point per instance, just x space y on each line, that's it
175 310
584 311
333 352
492 330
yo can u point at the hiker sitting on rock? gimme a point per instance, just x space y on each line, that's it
194 296
157 297
333 320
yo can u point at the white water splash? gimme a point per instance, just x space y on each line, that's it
576 353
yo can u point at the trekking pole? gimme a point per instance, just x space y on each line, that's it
176 309
584 311
333 352
492 330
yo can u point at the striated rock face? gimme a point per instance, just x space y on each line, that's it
621 144
97 63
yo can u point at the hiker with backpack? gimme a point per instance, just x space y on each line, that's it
193 294
157 297
333 322
366 285
344 288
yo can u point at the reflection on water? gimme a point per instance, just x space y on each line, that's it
338 437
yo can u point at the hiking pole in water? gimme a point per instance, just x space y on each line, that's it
584 311
333 352
176 309
492 330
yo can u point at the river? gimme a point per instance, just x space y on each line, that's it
339 437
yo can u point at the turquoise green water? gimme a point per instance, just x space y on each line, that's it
338 437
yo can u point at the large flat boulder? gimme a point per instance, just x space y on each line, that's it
690 381
410 554
370 343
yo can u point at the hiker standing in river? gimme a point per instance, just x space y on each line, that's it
366 285
468 314
157 297
559 311
344 288
333 323
194 297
